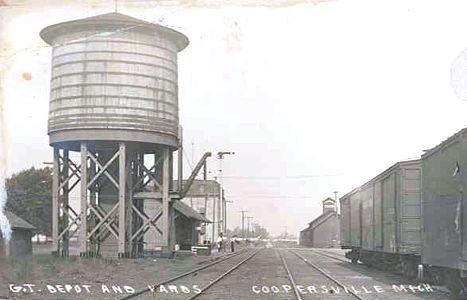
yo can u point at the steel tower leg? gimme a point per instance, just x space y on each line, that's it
65 191
63 216
121 202
55 203
83 228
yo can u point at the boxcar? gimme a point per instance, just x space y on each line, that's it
381 220
444 209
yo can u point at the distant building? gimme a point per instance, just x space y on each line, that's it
323 232
20 244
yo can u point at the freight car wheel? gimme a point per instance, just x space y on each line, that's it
409 269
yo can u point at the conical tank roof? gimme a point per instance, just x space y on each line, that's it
111 21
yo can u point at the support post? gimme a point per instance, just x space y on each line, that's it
84 201
55 204
213 220
93 202
180 160
165 200
243 223
65 201
219 212
121 200
205 178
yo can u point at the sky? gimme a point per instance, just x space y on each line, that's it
313 96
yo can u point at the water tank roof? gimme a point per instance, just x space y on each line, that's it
111 21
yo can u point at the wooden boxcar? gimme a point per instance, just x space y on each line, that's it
445 211
381 220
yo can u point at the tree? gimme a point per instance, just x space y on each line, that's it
256 231
29 195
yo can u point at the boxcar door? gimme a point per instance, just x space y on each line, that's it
378 216
389 213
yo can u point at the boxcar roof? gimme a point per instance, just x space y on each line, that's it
381 175
444 143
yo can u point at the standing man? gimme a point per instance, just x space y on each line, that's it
232 244
219 242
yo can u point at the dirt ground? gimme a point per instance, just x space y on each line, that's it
72 277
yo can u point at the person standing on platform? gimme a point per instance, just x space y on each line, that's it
219 242
232 245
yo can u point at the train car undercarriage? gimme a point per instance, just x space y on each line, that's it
410 267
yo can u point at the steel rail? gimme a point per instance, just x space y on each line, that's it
292 281
346 261
141 292
326 274
224 274
330 256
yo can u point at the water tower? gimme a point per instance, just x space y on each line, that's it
113 101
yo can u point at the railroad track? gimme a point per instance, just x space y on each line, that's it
330 256
203 289
219 278
289 275
320 253
323 272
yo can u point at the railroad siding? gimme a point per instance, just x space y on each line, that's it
443 195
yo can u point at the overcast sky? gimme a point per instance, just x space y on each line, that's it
339 90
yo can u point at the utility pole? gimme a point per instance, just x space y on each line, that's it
243 223
213 220
254 227
248 231
222 203
335 198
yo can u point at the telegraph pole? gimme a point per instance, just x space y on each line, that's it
335 198
243 223
222 205
248 231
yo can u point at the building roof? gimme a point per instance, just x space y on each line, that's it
189 212
328 199
18 223
319 220
111 21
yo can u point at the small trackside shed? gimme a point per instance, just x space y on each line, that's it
322 232
187 225
381 220
20 244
